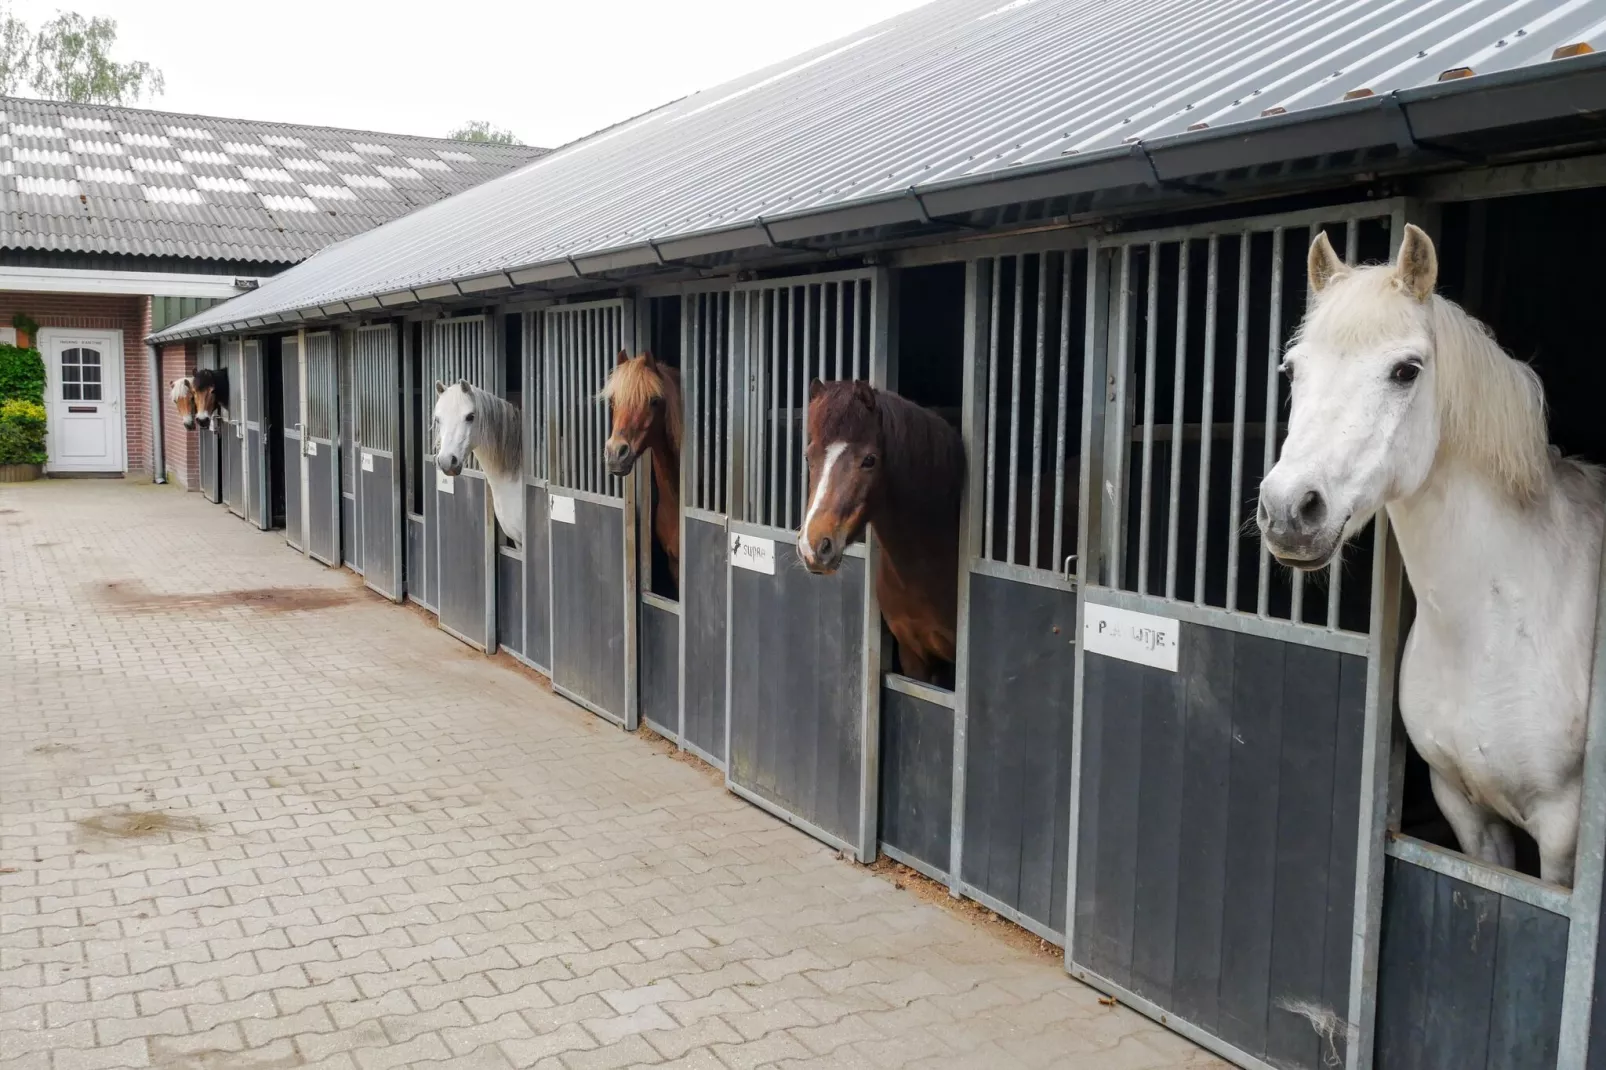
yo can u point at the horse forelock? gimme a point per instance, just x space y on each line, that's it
1491 405
838 414
182 389
633 386
498 429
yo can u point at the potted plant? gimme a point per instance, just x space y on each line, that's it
22 440
27 329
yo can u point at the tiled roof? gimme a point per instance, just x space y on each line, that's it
86 178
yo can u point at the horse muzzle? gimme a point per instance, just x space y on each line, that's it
451 466
824 556
620 459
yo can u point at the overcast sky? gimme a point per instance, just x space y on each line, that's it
549 71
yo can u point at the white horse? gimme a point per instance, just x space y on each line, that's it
469 419
1404 402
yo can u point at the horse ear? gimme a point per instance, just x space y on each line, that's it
816 388
624 357
1416 268
646 359
440 387
464 384
865 392
1323 265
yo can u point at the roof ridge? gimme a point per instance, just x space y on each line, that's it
533 150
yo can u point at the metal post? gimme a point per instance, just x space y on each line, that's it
972 506
882 339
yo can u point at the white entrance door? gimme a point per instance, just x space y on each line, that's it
85 410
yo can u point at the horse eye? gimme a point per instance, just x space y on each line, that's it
657 403
1405 371
468 417
868 462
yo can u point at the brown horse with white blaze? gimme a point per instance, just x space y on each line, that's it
646 401
879 460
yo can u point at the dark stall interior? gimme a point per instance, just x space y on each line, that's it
512 382
418 445
663 342
273 418
929 359
1520 265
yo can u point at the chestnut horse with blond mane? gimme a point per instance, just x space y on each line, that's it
645 396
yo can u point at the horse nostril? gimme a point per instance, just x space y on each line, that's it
1312 510
822 549
1262 514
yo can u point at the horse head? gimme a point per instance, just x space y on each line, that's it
1386 378
645 411
454 425
209 389
182 394
844 452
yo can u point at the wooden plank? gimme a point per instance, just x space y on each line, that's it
1046 757
1253 793
1460 978
1089 946
703 605
916 777
1202 853
1340 921
537 579
1404 961
1159 826
1305 820
1530 962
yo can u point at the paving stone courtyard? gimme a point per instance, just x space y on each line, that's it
253 817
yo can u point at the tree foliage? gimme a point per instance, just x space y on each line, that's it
69 58
22 432
480 130
22 374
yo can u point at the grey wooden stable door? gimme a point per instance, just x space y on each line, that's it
590 513
295 422
803 654
232 441
376 418
208 440
320 445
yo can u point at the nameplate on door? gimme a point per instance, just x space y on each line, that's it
1137 637
562 509
753 553
444 483
312 448
367 461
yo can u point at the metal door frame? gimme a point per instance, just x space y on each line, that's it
297 540
259 395
539 449
492 379
334 439
239 392
1101 539
627 502
359 385
740 416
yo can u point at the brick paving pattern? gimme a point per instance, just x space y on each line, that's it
253 818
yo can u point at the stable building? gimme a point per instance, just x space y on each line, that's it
116 222
1079 230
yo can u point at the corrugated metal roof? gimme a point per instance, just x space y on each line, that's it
93 179
956 91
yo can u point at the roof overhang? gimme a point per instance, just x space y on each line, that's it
123 283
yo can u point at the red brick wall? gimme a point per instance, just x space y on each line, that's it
131 315
183 464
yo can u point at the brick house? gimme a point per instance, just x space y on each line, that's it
115 222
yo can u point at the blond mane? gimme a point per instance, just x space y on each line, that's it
1491 405
181 390
633 384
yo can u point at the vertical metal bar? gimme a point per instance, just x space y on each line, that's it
990 427
1335 571
1014 408
1067 262
1240 387
1037 411
1268 452
1377 735
809 301
841 329
865 295
1151 349
791 385
1178 391
973 422
1118 427
720 351
1583 933
1207 417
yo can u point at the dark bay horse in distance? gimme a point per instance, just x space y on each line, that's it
878 459
647 418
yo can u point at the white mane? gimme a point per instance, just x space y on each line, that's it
498 432
182 388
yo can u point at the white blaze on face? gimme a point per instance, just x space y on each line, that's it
833 452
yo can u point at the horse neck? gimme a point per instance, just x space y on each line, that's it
916 515
1465 540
